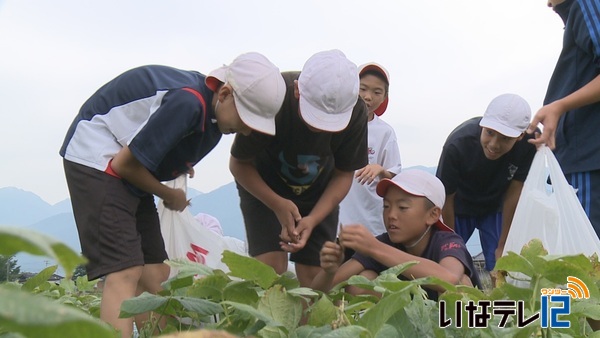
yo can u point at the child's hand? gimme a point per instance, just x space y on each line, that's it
288 215
177 200
358 238
331 256
303 229
369 173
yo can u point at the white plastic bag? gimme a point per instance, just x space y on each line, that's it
185 237
553 215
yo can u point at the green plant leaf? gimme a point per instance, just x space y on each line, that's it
288 280
252 312
308 331
186 268
202 307
142 303
586 307
37 316
417 313
241 292
322 312
16 240
282 307
375 317
210 287
301 292
249 268
348 331
39 279
514 263
534 248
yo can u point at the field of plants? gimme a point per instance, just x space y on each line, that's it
252 300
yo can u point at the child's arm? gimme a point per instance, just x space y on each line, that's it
511 198
336 190
550 114
130 169
448 211
247 176
449 269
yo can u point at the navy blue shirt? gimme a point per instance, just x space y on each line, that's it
577 138
441 244
480 183
164 115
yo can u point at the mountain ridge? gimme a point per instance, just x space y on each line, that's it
23 208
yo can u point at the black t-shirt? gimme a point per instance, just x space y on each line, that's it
441 244
298 163
480 183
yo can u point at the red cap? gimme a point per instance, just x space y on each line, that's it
379 69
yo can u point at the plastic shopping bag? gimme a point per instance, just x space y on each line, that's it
552 214
186 238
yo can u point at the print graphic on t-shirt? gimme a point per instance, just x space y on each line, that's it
512 169
299 177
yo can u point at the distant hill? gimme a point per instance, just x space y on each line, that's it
20 207
224 204
25 209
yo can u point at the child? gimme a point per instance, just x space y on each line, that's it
412 206
290 185
571 111
362 205
483 165
148 125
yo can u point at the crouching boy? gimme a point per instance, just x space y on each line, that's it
412 205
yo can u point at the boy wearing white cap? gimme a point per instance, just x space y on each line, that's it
152 124
362 205
412 207
483 165
291 184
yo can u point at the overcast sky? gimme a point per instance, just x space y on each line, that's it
447 60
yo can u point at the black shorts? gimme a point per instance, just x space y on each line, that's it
117 229
263 229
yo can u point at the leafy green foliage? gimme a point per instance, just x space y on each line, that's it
9 270
23 240
252 300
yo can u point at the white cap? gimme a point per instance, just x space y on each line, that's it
418 183
258 89
328 86
508 114
373 66
210 222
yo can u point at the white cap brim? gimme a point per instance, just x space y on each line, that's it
322 120
256 122
501 128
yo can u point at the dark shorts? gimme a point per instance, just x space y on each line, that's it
117 230
263 230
